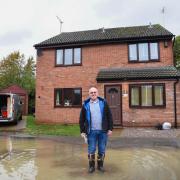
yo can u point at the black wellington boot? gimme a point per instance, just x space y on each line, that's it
100 162
91 158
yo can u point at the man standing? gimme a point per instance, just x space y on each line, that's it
96 122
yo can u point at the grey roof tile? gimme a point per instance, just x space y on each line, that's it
110 34
166 72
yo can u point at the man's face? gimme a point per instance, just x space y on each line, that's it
93 93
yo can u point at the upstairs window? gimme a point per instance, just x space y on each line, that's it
67 97
77 55
143 52
133 52
59 57
68 57
154 51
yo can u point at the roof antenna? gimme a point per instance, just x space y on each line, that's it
103 30
163 10
60 22
150 25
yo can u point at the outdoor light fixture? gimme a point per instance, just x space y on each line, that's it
165 44
125 90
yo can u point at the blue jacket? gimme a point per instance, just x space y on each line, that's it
85 116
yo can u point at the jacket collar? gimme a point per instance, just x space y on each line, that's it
88 100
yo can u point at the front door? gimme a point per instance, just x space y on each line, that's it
113 97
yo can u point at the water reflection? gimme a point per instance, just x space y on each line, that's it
34 159
17 159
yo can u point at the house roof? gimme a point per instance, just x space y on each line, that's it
14 89
120 34
111 74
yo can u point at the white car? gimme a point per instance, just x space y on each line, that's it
10 108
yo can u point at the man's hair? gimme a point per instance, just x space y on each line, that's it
93 87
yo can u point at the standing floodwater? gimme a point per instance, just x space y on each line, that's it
30 159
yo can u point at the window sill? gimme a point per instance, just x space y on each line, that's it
71 65
79 106
149 61
147 107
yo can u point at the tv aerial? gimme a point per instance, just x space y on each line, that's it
60 23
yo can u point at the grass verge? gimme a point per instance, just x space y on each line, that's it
45 129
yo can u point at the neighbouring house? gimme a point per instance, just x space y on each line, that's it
133 68
15 89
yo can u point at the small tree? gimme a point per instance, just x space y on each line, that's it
14 69
11 69
28 82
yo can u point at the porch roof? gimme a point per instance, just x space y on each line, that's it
122 74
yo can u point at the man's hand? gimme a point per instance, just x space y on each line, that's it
83 135
109 133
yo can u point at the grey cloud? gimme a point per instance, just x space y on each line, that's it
139 12
14 37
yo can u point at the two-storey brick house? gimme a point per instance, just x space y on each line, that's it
132 67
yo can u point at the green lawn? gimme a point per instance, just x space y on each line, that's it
44 129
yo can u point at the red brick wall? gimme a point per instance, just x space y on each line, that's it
151 116
93 58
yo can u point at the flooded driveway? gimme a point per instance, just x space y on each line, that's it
43 159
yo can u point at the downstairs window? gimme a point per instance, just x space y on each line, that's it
147 95
67 97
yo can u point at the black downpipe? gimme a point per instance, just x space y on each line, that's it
175 108
174 61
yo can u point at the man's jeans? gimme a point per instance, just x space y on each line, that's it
94 137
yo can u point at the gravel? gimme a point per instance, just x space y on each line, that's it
149 132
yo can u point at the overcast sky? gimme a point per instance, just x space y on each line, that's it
24 23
